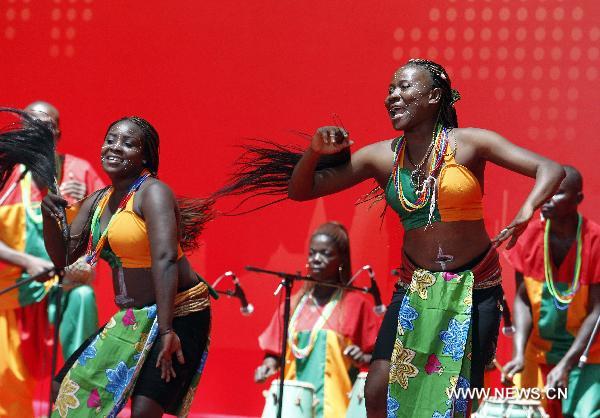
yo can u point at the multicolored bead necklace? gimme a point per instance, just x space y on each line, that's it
428 188
562 301
92 253
304 352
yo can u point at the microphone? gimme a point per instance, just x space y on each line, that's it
246 308
379 308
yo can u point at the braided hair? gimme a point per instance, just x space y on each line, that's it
441 80
194 213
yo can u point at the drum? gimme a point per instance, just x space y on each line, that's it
299 400
505 408
356 408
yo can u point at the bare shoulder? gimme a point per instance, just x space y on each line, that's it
155 191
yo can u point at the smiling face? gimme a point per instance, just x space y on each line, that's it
324 259
123 150
411 97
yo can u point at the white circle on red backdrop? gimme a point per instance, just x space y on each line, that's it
449 53
558 34
451 14
415 52
521 34
518 73
520 53
533 132
554 73
465 72
450 34
500 73
434 34
504 14
540 13
535 94
575 53
432 52
522 14
415 34
55 32
538 53
502 53
499 93
483 73
467 53
517 93
537 72
56 15
469 34
559 13
399 34
9 32
486 34
573 94
86 14
11 14
434 14
577 13
487 14
573 73
398 53
470 14
570 133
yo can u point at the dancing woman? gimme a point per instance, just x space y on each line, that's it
433 177
329 326
141 230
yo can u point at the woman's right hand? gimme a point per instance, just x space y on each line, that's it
267 369
330 140
54 206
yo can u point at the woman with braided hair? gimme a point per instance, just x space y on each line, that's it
442 324
154 348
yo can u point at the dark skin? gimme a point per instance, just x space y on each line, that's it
324 260
562 212
123 160
413 104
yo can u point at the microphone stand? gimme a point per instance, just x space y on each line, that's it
287 282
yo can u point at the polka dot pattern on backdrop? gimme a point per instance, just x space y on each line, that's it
65 17
541 51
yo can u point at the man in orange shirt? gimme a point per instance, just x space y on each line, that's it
25 335
557 267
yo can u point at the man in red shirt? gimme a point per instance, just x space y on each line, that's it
557 303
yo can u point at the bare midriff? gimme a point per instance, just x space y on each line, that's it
140 285
462 240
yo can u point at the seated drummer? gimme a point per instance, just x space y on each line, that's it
557 303
331 330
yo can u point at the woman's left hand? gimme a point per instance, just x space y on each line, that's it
515 229
558 377
170 344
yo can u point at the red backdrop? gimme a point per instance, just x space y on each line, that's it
208 74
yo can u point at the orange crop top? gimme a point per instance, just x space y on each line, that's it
459 195
127 242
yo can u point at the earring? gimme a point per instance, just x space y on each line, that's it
340 270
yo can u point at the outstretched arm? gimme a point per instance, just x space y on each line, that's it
306 183
548 175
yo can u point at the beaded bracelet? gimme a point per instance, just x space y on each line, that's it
165 332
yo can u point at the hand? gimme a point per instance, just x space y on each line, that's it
511 368
355 353
515 229
73 188
53 205
330 140
558 377
78 273
265 370
170 344
36 265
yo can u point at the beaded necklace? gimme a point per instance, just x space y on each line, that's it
428 189
301 353
558 298
92 253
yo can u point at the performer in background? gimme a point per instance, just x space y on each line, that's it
557 269
331 330
24 331
154 348
441 328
